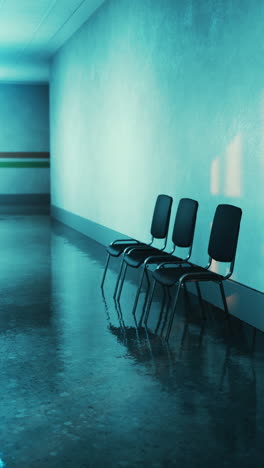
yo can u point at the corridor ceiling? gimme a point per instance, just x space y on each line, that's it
31 31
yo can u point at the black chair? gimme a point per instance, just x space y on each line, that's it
182 237
158 230
222 248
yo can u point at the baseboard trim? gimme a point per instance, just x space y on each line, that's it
244 302
95 231
25 199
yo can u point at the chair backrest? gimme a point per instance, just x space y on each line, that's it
224 233
184 225
161 217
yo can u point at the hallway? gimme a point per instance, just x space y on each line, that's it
81 386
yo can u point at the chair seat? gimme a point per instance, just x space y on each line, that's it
137 257
116 249
169 276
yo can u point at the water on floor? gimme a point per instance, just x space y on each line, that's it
85 385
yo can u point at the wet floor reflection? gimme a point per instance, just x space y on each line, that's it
85 384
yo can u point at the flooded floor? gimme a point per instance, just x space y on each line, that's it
83 385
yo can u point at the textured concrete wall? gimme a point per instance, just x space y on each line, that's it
167 96
24 123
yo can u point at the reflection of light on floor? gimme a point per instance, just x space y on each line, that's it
233 172
215 176
1 463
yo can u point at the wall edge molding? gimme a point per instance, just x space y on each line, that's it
19 199
101 234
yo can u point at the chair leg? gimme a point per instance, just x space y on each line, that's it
186 299
138 291
198 289
162 309
146 298
118 278
173 312
147 291
166 311
120 315
122 282
150 301
200 299
184 333
224 299
147 276
105 270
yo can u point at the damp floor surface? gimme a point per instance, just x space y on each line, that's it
83 385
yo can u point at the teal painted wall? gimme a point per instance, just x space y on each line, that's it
24 124
153 96
24 117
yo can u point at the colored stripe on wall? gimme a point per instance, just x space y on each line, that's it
24 159
24 164
23 154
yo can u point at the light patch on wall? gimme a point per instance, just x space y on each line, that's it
233 168
226 170
215 176
214 266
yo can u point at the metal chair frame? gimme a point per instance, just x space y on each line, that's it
130 242
122 272
154 259
197 277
